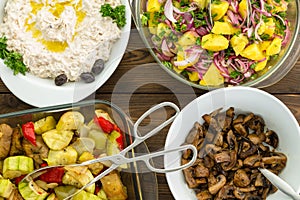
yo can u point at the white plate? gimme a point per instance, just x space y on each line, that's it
276 115
43 92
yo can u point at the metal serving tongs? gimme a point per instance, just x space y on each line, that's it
120 159
280 184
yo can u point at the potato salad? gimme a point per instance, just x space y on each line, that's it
217 42
51 142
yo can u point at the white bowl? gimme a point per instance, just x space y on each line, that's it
276 115
43 92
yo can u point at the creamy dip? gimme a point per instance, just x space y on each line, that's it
59 36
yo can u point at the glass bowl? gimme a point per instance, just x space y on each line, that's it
140 186
275 70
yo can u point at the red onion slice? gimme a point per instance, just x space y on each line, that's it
168 11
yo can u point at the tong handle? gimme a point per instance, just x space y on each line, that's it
139 139
147 158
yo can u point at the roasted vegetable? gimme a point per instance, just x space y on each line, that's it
32 191
5 140
45 124
16 166
113 187
57 140
70 121
6 188
62 157
78 177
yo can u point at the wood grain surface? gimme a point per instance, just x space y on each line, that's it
139 83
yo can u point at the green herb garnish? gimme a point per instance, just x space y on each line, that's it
145 18
12 59
117 13
235 74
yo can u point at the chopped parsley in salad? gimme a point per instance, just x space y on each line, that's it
232 48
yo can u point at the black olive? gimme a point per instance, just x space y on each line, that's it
87 77
98 66
60 79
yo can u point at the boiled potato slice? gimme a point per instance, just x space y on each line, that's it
201 3
219 9
62 157
224 28
44 124
153 6
260 65
152 26
188 38
162 30
274 47
264 45
193 76
212 77
278 7
238 43
253 52
243 8
71 120
270 27
214 42
57 140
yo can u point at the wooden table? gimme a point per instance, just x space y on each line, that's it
139 83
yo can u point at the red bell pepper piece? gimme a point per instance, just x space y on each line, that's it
28 132
18 179
120 142
106 125
53 175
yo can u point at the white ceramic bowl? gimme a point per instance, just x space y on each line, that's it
276 115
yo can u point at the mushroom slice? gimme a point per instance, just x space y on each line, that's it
252 197
272 138
246 149
241 129
229 165
201 171
231 140
221 181
248 118
276 158
226 193
223 156
241 178
239 119
257 124
251 160
191 181
204 195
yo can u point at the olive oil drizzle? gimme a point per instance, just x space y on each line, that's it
56 10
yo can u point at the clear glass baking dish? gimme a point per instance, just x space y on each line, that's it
140 186
272 73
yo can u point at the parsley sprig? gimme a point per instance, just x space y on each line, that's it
117 13
12 59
